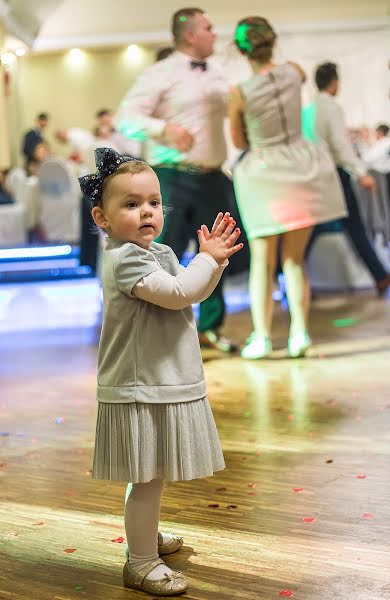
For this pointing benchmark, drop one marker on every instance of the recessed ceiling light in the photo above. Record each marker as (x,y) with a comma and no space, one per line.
(134,52)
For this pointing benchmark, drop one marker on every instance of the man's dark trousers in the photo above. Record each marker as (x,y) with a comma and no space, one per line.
(193,199)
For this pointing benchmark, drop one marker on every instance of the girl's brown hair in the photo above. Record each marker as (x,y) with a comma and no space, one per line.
(255,38)
(134,167)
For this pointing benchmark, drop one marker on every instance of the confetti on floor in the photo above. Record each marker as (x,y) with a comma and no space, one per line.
(347,322)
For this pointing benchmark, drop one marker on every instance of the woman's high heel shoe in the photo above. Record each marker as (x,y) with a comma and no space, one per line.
(257,347)
(299,344)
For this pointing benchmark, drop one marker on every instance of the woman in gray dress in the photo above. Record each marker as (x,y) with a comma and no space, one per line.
(284,184)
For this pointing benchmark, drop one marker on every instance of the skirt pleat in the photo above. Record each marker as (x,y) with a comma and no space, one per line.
(139,442)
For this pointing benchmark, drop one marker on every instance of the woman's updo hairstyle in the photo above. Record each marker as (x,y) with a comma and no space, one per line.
(255,38)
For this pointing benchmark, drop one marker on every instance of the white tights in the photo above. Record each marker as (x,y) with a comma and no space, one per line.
(142,515)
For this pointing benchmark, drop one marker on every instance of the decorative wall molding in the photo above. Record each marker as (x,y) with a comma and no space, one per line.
(4,8)
(13,27)
(49,44)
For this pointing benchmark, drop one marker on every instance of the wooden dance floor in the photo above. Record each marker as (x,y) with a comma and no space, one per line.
(302,510)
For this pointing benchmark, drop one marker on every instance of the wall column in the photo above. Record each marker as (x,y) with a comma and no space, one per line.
(5,155)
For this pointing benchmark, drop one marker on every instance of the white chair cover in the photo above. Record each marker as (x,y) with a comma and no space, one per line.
(60,197)
(334,265)
(15,181)
(375,207)
(12,225)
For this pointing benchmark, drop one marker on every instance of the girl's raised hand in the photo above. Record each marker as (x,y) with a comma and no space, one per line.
(221,242)
(220,224)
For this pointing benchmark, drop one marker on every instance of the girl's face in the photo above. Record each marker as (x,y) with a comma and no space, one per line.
(132,210)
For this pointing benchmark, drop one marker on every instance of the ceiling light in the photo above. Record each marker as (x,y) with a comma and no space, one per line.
(76,56)
(134,52)
(7,58)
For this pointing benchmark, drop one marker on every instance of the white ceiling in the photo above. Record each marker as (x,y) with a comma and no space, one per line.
(54,24)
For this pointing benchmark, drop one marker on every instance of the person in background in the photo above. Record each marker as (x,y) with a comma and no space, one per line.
(284,184)
(105,124)
(41,153)
(329,127)
(35,136)
(5,195)
(179,105)
(377,156)
(104,117)
(83,142)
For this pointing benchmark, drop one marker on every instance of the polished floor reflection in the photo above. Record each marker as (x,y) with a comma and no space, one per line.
(301,511)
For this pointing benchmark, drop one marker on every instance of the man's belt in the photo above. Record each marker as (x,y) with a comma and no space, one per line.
(187,168)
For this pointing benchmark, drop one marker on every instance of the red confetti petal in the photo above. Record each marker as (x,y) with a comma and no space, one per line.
(231,506)
(297,490)
(361,476)
(119,540)
(70,550)
(213,506)
(368,516)
(286,593)
(308,519)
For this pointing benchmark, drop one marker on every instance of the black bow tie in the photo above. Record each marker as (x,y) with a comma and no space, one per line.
(198,64)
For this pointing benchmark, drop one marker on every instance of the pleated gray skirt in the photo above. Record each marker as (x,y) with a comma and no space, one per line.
(139,442)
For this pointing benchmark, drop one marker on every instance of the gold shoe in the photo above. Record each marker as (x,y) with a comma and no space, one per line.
(172,584)
(174,545)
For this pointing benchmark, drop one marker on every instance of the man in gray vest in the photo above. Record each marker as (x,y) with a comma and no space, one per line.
(329,126)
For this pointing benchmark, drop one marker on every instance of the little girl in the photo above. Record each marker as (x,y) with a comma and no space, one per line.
(154,421)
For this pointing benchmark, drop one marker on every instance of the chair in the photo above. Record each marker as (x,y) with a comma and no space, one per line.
(375,207)
(59,197)
(15,180)
(333,265)
(12,225)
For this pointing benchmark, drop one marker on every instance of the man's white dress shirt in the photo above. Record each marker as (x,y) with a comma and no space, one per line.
(170,91)
(330,128)
(377,156)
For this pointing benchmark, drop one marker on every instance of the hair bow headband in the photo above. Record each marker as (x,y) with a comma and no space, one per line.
(241,35)
(241,38)
(107,161)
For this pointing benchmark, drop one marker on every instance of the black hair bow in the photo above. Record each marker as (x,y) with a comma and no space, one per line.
(107,161)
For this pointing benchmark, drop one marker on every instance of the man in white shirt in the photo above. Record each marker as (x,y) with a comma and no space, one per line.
(329,127)
(178,105)
(377,156)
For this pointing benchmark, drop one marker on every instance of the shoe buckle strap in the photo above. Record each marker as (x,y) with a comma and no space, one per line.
(147,569)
